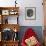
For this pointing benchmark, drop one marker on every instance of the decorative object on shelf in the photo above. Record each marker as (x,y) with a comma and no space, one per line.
(15,3)
(15,37)
(7,34)
(30,13)
(13,12)
(5,12)
(15,34)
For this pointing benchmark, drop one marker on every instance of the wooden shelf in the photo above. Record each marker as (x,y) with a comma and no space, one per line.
(11,26)
(4,13)
(9,9)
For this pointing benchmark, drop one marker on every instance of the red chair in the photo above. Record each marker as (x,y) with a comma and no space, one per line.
(29,33)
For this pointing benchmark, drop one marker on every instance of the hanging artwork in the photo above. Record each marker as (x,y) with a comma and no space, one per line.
(30,13)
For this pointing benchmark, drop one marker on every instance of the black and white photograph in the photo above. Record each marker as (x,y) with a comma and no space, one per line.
(30,13)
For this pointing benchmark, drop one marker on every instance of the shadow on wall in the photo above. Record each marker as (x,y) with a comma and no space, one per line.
(37,29)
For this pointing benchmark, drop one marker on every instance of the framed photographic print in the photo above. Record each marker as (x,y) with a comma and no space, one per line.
(30,13)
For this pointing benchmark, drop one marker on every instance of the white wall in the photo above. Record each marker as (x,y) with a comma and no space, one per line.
(39,13)
(27,3)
